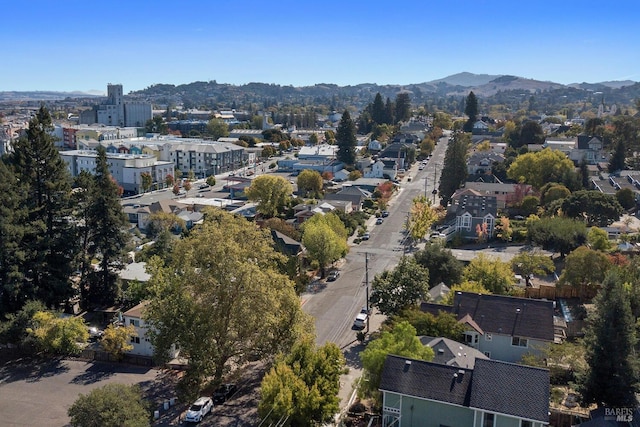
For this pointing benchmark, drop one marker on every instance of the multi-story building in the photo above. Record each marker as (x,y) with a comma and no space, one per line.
(141,343)
(117,112)
(126,169)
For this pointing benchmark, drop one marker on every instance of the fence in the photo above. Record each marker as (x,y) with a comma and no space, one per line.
(103,356)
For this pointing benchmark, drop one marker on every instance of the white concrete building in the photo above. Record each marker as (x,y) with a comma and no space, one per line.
(126,169)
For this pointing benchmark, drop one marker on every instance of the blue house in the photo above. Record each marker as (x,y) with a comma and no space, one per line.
(491,394)
(502,327)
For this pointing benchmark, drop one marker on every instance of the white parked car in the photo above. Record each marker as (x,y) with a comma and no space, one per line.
(361,321)
(199,409)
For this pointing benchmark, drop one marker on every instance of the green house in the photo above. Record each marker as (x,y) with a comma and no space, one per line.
(492,394)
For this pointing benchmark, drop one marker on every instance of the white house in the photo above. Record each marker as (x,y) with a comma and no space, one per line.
(141,343)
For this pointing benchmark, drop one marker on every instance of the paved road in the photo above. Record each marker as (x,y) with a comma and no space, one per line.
(335,305)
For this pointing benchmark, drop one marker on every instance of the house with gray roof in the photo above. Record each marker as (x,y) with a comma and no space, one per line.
(492,393)
(502,327)
(452,353)
(472,211)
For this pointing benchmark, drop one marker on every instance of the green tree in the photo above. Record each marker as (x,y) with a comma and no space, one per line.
(14,329)
(303,386)
(441,325)
(12,217)
(48,244)
(626,197)
(531,262)
(217,128)
(147,181)
(442,120)
(442,265)
(592,206)
(58,335)
(377,110)
(584,268)
(617,161)
(465,286)
(557,234)
(531,133)
(421,217)
(401,288)
(403,107)
(471,110)
(270,192)
(112,405)
(223,299)
(400,341)
(612,377)
(115,340)
(598,239)
(538,168)
(346,139)
(108,237)
(310,183)
(325,238)
(454,170)
(553,191)
(492,273)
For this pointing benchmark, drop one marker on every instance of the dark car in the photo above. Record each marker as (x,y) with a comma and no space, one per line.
(385,214)
(333,276)
(379,221)
(223,393)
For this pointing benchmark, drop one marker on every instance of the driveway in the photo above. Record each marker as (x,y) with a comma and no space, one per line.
(38,392)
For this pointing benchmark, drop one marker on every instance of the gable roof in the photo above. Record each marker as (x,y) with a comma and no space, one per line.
(476,206)
(508,388)
(426,380)
(500,387)
(522,317)
(452,353)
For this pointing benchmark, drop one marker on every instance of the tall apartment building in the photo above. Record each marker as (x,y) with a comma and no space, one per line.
(117,112)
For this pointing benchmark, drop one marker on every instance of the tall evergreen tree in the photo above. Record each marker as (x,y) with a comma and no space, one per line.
(48,235)
(346,139)
(390,111)
(454,170)
(377,110)
(618,158)
(108,236)
(12,216)
(471,110)
(612,378)
(403,107)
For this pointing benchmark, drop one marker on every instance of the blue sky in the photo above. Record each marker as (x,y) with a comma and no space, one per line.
(83,45)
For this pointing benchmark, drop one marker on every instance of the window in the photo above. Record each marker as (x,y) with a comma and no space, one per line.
(488,419)
(524,423)
(487,336)
(488,354)
(466,221)
(135,340)
(519,342)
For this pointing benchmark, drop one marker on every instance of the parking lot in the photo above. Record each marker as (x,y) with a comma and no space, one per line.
(38,392)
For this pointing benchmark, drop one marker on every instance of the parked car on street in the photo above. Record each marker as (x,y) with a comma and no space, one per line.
(223,393)
(360,321)
(333,276)
(379,221)
(199,409)
(365,236)
(385,214)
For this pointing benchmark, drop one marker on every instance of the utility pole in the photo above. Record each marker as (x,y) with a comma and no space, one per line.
(434,192)
(366,282)
(425,187)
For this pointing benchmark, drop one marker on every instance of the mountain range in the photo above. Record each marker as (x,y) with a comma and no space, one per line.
(483,85)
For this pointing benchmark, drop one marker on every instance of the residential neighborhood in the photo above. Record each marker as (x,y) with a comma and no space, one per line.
(349,267)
